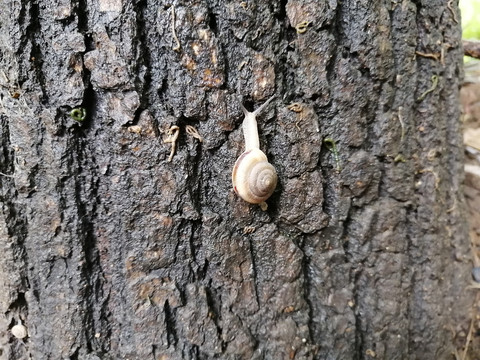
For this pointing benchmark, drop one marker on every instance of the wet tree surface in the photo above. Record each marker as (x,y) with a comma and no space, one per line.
(109,251)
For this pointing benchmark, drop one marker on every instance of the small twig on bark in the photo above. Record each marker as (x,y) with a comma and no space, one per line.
(471,48)
(302,27)
(434,86)
(248,230)
(193,132)
(172,138)
(449,5)
(429,55)
(174,34)
(468,340)
(296,107)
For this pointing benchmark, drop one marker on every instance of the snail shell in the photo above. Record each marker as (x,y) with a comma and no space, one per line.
(254,178)
(19,331)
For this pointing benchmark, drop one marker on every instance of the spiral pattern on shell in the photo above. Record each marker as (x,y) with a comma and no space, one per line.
(254,178)
(19,331)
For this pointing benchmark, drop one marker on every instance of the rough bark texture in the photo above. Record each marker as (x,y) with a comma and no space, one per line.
(111,252)
(471,48)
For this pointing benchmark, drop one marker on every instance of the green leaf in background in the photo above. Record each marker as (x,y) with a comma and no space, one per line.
(470,10)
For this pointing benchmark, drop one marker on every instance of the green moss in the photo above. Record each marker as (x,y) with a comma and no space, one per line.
(78,114)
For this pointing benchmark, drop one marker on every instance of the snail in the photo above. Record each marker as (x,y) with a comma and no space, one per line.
(254,179)
(19,330)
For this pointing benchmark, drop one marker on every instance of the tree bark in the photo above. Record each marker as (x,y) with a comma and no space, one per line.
(471,48)
(112,252)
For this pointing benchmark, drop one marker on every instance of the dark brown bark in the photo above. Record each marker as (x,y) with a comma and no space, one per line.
(471,48)
(112,252)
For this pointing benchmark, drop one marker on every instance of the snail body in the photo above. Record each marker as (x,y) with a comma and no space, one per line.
(254,179)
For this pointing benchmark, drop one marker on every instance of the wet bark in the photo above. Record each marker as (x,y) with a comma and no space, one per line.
(109,251)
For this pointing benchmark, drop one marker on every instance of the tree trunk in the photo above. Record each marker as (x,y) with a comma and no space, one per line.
(110,251)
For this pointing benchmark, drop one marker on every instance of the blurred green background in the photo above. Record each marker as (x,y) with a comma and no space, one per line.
(470,18)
